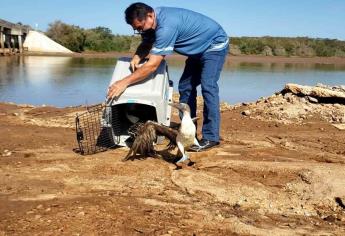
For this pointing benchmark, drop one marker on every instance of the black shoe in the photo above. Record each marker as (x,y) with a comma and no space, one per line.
(204,145)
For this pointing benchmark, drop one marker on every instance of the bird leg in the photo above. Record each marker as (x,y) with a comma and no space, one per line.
(184,158)
(184,155)
(128,155)
(196,142)
(154,154)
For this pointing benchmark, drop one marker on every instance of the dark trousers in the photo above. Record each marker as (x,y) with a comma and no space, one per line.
(204,70)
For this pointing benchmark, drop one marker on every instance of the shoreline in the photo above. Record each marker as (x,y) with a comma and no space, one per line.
(268,165)
(230,58)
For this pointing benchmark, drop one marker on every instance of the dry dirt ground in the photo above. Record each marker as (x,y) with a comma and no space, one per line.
(266,178)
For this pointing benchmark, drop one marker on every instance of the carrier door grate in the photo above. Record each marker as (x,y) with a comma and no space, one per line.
(93,130)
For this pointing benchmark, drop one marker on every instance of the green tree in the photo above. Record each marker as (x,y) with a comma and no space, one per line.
(101,39)
(70,36)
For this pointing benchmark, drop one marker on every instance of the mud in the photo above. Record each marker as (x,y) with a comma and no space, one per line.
(266,178)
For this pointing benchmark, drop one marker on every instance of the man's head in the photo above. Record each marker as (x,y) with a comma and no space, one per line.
(140,16)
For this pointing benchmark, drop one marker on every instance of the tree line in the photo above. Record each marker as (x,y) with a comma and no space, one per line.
(101,39)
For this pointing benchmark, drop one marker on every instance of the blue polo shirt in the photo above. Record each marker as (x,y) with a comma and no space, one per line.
(185,32)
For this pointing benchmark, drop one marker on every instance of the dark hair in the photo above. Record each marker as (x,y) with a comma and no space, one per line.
(137,11)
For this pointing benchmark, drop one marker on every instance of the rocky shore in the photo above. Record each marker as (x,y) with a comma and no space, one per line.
(278,171)
(296,103)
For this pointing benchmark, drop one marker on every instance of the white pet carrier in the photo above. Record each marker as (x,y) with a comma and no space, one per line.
(105,126)
(146,100)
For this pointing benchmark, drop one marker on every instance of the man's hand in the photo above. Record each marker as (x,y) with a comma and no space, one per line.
(117,88)
(135,62)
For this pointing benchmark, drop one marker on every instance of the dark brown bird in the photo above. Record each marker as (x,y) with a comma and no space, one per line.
(145,135)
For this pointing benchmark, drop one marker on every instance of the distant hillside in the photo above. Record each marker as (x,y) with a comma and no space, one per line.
(280,46)
(101,39)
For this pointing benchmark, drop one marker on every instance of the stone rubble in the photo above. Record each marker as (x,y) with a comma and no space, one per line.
(297,103)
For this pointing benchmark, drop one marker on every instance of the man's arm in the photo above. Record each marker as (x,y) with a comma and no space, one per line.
(117,88)
(142,51)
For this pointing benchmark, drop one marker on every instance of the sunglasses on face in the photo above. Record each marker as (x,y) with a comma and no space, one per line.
(140,29)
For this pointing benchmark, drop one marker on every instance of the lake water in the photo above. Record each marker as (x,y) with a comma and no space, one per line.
(66,81)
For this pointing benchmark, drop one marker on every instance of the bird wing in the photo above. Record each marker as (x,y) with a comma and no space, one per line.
(165,131)
(195,119)
(145,134)
(169,133)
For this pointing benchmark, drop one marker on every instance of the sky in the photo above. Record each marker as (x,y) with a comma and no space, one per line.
(282,18)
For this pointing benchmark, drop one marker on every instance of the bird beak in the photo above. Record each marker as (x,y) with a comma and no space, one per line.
(176,105)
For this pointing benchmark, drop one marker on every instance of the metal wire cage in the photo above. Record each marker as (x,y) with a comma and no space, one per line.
(94,133)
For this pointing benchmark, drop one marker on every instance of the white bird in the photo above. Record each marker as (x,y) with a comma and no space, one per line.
(145,135)
(187,131)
